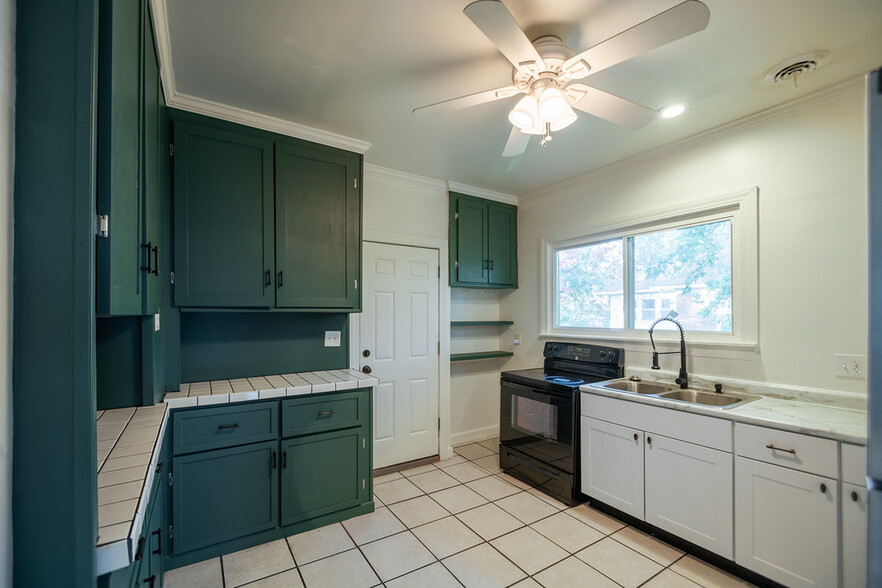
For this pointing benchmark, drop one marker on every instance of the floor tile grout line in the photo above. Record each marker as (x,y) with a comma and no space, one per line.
(294,559)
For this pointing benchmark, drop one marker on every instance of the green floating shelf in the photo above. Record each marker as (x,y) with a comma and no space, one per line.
(479,323)
(479,355)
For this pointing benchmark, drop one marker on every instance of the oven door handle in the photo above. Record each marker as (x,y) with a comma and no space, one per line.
(533,466)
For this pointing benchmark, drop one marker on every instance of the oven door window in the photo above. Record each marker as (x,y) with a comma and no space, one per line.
(534,417)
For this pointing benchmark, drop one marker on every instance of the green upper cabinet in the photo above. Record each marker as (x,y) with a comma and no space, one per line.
(483,243)
(264,221)
(129,112)
(318,238)
(223,211)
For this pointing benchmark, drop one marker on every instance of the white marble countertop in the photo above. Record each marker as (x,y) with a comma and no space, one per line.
(125,479)
(801,416)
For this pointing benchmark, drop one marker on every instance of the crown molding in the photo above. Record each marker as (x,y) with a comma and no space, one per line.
(482,193)
(714,134)
(394,175)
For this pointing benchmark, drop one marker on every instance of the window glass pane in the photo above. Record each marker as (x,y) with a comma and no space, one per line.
(689,271)
(589,286)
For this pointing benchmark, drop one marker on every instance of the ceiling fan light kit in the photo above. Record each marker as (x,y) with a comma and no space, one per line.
(545,71)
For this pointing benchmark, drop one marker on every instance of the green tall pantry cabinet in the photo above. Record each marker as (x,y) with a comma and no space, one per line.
(264,221)
(130,115)
(483,243)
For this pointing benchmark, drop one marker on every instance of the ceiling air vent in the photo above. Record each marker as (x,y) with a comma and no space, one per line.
(792,69)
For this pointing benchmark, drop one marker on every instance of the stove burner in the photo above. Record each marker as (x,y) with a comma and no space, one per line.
(564,381)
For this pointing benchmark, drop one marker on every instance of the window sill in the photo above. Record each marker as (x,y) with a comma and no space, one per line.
(638,342)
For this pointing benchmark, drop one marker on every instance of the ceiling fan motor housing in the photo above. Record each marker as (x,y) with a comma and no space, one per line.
(554,53)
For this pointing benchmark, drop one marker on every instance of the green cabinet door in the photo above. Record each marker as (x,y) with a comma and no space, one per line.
(318,227)
(223,214)
(322,474)
(150,168)
(470,264)
(224,494)
(119,256)
(502,244)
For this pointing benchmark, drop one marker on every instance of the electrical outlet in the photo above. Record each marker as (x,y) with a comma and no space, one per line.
(849,366)
(332,338)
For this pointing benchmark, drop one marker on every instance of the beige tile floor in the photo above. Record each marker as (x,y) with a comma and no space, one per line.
(461,522)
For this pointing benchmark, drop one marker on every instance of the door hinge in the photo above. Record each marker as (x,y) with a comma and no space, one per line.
(102,225)
(456,216)
(355,183)
(363,443)
(439,347)
(171,479)
(356,284)
(456,263)
(171,278)
(439,271)
(171,531)
(171,149)
(363,484)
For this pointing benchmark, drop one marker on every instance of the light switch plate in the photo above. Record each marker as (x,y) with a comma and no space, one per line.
(332,338)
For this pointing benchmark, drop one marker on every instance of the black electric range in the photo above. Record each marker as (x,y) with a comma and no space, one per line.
(539,415)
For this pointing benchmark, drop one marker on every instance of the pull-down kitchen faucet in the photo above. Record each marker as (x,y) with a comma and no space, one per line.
(682,378)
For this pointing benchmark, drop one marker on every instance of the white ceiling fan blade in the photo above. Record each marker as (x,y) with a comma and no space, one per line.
(680,21)
(466,101)
(609,106)
(497,23)
(516,144)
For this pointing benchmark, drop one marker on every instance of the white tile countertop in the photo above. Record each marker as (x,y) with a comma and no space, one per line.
(803,411)
(128,451)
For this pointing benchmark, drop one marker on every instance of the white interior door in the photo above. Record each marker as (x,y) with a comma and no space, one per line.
(399,341)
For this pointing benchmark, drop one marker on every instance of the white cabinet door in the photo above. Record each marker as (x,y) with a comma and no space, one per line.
(689,492)
(786,524)
(612,465)
(854,536)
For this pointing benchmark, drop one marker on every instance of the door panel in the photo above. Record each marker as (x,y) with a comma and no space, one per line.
(317,202)
(223,218)
(502,244)
(612,465)
(471,241)
(689,492)
(399,328)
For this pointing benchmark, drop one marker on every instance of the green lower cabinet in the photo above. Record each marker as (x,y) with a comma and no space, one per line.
(224,494)
(321,474)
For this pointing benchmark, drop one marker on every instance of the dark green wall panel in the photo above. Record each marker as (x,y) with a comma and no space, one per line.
(118,347)
(218,345)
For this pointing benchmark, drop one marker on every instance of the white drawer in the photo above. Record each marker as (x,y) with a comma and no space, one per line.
(793,450)
(854,464)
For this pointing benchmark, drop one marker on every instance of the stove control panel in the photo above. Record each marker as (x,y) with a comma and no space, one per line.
(584,352)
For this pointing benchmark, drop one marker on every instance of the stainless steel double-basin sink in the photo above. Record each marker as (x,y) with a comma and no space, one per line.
(673,392)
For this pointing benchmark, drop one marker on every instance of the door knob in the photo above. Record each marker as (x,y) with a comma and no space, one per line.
(366,369)
(366,353)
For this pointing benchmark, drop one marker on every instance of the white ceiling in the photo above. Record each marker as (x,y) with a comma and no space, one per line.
(358,67)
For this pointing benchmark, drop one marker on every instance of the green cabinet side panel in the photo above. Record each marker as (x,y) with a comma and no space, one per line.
(151,154)
(318,227)
(320,474)
(224,494)
(119,89)
(502,244)
(223,204)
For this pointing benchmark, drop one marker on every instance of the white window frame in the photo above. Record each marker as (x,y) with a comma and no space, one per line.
(740,208)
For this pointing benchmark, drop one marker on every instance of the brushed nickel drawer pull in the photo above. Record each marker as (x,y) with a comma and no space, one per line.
(773,448)
(326,413)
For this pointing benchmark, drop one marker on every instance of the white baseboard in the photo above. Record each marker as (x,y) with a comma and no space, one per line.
(474,435)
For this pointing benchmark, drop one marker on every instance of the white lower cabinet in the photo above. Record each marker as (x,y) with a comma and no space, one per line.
(689,492)
(786,523)
(612,470)
(854,536)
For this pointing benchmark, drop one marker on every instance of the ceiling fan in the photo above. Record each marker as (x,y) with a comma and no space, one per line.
(546,70)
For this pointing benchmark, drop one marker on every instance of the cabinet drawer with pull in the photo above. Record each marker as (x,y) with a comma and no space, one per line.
(792,450)
(201,429)
(319,413)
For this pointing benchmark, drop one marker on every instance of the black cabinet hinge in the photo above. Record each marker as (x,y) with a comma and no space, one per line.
(171,479)
(171,149)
